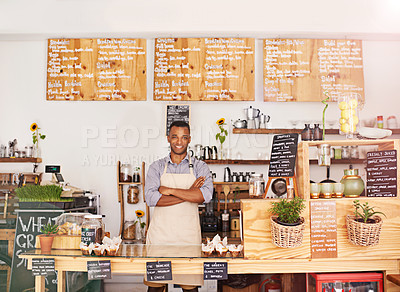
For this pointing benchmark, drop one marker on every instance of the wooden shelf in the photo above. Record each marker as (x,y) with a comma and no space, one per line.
(279,131)
(230,183)
(130,183)
(286,131)
(20,160)
(236,161)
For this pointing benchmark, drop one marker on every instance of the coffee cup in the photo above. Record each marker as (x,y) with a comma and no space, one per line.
(326,190)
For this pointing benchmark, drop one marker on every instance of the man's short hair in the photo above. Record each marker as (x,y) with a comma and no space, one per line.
(180,124)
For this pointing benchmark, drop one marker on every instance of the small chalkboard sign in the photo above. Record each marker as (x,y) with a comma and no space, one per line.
(158,271)
(382,173)
(99,270)
(43,266)
(176,112)
(323,229)
(283,155)
(215,271)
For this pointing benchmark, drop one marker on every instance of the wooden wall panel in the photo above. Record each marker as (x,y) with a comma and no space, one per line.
(302,69)
(204,69)
(96,69)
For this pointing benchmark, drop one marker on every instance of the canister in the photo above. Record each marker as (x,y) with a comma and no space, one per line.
(256,186)
(92,229)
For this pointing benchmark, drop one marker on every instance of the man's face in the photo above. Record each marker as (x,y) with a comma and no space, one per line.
(179,139)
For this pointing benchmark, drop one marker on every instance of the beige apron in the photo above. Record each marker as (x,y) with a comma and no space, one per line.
(178,224)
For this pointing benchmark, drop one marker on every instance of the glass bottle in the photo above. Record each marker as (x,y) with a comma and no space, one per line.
(136,175)
(306,134)
(125,173)
(379,122)
(92,229)
(317,132)
(354,152)
(345,152)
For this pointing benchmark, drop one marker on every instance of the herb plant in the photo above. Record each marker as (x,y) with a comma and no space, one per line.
(364,211)
(288,211)
(49,229)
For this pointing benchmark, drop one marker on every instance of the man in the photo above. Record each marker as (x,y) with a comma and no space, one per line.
(175,185)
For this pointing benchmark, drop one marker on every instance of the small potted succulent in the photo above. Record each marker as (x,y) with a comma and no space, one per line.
(287,226)
(364,227)
(47,237)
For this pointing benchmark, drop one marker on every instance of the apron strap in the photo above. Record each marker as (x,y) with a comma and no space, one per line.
(190,166)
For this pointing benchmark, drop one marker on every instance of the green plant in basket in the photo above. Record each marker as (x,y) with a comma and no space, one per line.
(364,212)
(49,229)
(288,211)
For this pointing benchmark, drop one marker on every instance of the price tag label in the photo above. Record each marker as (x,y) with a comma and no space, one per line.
(43,266)
(215,271)
(158,271)
(99,270)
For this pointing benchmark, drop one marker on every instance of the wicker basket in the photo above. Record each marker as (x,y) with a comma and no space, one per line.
(287,236)
(364,234)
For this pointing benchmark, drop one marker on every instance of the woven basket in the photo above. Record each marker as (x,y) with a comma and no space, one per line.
(364,234)
(287,236)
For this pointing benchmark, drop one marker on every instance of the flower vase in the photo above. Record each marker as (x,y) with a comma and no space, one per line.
(222,152)
(141,234)
(37,151)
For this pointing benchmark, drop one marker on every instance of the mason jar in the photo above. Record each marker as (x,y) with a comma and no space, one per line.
(125,173)
(256,186)
(92,229)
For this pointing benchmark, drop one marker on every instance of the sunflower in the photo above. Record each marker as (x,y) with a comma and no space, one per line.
(34,126)
(139,213)
(221,121)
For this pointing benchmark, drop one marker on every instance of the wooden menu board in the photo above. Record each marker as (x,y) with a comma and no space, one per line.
(96,69)
(382,173)
(283,155)
(302,69)
(323,229)
(204,69)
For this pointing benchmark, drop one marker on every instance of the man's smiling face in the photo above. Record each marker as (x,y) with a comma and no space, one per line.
(179,139)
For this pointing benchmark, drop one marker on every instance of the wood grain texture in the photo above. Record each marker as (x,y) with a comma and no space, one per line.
(257,233)
(302,69)
(63,242)
(204,69)
(96,69)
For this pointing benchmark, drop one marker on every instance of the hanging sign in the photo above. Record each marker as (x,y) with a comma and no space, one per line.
(99,270)
(158,271)
(215,271)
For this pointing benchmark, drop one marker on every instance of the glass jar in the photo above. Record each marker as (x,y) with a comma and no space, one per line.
(354,152)
(136,175)
(349,105)
(225,221)
(125,173)
(353,183)
(129,230)
(307,133)
(256,186)
(345,152)
(92,229)
(133,195)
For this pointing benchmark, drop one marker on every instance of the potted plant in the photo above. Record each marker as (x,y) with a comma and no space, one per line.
(287,226)
(42,197)
(364,227)
(46,239)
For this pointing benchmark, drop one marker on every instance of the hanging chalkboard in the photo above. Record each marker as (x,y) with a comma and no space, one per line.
(159,271)
(382,173)
(283,155)
(176,112)
(215,271)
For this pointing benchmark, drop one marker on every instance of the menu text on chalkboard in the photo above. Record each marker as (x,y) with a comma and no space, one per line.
(158,271)
(176,112)
(323,229)
(43,266)
(303,69)
(215,271)
(283,155)
(99,270)
(382,173)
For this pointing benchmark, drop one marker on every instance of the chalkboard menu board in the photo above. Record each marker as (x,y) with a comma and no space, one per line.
(283,155)
(43,266)
(99,270)
(158,271)
(215,271)
(176,112)
(382,173)
(96,69)
(204,69)
(302,69)
(323,229)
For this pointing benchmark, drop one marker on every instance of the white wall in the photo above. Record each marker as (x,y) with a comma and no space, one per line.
(135,130)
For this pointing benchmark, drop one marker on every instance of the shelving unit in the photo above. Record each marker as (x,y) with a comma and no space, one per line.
(121,199)
(266,162)
(286,131)
(20,160)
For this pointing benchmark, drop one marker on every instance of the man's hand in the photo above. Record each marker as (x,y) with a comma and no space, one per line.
(165,191)
(198,182)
